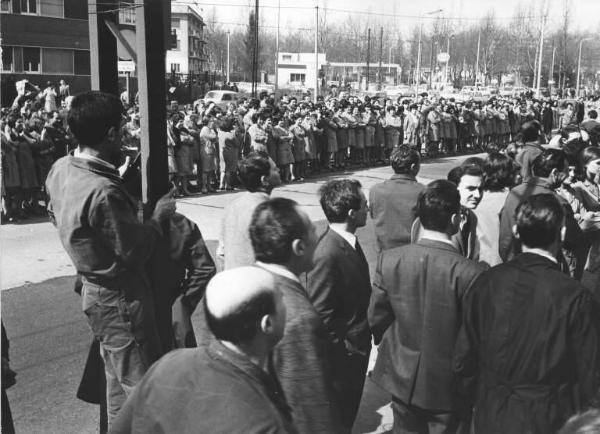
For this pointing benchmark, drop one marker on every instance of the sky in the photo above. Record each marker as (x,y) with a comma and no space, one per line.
(300,13)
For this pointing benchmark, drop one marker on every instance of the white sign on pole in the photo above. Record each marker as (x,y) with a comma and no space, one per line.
(443,57)
(126,66)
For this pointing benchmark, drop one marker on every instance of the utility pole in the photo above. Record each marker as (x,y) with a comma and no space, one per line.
(541,52)
(380,55)
(255,53)
(579,66)
(368,56)
(228,33)
(433,42)
(151,53)
(552,67)
(418,76)
(316,53)
(477,58)
(277,47)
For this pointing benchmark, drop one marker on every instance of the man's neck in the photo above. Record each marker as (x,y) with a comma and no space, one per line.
(256,356)
(435,235)
(344,227)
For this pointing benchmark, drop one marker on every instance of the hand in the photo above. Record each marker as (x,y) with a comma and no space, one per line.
(165,206)
(590,220)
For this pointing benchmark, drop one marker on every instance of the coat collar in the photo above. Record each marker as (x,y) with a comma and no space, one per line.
(425,242)
(531,259)
(95,167)
(403,177)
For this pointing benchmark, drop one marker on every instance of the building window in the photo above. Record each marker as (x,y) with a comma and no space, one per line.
(297,77)
(5,6)
(126,13)
(7,59)
(286,58)
(29,7)
(52,8)
(175,23)
(178,45)
(76,9)
(81,61)
(174,67)
(55,61)
(31,59)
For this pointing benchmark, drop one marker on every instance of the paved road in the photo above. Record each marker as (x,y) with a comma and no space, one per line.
(48,334)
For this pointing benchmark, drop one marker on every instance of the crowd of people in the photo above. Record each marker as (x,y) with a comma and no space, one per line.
(484,301)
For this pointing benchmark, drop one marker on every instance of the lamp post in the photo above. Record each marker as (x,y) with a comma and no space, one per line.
(448,61)
(579,64)
(419,47)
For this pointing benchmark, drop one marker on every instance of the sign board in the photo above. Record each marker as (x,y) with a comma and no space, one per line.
(443,57)
(550,81)
(126,66)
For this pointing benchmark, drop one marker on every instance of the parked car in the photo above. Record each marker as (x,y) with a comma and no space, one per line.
(221,97)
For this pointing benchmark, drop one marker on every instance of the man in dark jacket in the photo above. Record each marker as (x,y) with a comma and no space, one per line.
(339,286)
(415,307)
(284,241)
(530,134)
(529,335)
(549,171)
(223,387)
(592,127)
(392,202)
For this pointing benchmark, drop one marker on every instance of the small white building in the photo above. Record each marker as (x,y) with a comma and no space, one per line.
(298,69)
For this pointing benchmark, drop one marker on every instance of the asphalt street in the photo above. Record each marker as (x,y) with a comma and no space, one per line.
(48,334)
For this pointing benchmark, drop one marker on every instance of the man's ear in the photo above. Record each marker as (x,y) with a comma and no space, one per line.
(455,223)
(264,181)
(298,247)
(563,233)
(266,325)
(516,232)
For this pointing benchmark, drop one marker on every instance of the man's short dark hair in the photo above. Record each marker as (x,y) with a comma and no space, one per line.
(592,114)
(252,168)
(275,224)
(338,197)
(243,323)
(458,172)
(547,161)
(92,114)
(436,204)
(530,131)
(539,220)
(402,158)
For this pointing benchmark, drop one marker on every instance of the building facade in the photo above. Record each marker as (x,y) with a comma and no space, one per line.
(188,56)
(44,40)
(298,69)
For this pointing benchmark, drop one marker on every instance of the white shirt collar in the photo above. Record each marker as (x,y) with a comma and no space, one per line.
(350,238)
(437,239)
(541,252)
(279,270)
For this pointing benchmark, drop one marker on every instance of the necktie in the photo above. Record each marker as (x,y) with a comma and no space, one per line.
(361,255)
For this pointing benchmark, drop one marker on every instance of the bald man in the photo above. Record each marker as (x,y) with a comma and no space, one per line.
(223,387)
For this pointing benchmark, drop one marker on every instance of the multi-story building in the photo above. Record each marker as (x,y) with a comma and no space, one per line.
(44,40)
(298,69)
(187,27)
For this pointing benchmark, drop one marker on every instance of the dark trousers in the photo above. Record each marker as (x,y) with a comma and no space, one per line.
(349,383)
(409,419)
(7,419)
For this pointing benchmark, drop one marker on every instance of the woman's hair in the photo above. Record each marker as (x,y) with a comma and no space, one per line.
(589,154)
(499,172)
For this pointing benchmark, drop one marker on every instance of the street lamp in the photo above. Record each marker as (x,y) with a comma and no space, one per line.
(579,64)
(448,60)
(419,48)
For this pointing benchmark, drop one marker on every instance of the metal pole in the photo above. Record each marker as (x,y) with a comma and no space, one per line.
(541,53)
(477,58)
(228,56)
(447,62)
(277,46)
(368,56)
(579,68)
(390,59)
(380,55)
(417,78)
(552,67)
(255,53)
(431,63)
(316,53)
